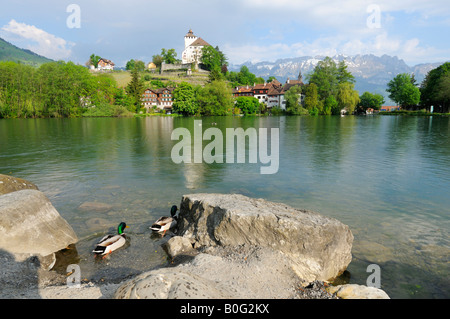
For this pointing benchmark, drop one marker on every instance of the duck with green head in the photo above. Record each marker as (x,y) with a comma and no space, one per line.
(164,223)
(109,243)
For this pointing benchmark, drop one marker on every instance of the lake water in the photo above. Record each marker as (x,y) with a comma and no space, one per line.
(387,177)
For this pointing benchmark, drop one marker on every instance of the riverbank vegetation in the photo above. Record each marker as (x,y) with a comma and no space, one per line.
(63,89)
(58,89)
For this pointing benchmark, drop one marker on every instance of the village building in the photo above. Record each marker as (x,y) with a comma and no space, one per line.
(193,46)
(160,98)
(272,94)
(386,108)
(105,65)
(151,66)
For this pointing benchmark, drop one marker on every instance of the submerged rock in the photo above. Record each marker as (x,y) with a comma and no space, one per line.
(95,206)
(318,247)
(30,225)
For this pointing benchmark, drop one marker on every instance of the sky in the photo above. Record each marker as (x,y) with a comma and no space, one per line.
(245,30)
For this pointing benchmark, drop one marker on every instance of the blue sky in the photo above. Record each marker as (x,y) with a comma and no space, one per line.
(245,30)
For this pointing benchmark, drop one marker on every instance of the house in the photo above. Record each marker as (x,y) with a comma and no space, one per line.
(390,108)
(151,66)
(272,94)
(105,65)
(193,46)
(149,98)
(165,99)
(243,91)
(161,98)
(260,92)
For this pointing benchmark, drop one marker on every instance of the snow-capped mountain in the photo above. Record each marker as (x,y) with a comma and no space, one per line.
(371,73)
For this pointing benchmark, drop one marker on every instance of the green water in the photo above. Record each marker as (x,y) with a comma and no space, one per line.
(388,178)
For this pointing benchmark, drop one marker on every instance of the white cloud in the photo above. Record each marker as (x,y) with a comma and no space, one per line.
(325,27)
(379,43)
(44,43)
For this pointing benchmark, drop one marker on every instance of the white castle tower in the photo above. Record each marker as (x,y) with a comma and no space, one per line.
(189,38)
(193,46)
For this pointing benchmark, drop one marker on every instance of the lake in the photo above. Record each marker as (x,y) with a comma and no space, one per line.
(387,177)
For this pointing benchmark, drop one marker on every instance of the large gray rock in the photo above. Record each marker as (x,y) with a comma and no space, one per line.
(30,225)
(179,245)
(255,273)
(318,247)
(169,284)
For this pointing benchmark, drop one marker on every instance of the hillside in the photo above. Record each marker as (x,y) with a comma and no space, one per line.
(371,73)
(9,52)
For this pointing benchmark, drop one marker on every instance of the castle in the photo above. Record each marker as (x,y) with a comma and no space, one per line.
(193,46)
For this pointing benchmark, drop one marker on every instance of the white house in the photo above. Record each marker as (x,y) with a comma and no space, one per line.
(103,65)
(193,46)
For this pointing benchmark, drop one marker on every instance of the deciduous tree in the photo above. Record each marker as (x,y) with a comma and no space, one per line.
(184,99)
(402,91)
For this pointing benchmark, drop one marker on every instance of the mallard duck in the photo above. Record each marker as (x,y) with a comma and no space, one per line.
(164,223)
(109,243)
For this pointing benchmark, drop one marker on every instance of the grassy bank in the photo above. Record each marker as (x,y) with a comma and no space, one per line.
(413,113)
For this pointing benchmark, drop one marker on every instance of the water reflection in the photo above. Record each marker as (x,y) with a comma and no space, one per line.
(386,177)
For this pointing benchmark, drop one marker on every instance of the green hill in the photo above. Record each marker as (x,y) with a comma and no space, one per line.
(9,52)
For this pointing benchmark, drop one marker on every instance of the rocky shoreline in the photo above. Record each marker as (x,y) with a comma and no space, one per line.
(226,246)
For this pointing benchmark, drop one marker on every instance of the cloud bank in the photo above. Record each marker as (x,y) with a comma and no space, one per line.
(44,43)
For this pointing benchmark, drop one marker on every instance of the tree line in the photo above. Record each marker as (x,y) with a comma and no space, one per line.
(59,89)
(63,89)
(433,92)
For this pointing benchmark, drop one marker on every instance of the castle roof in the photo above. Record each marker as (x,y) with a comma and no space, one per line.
(199,43)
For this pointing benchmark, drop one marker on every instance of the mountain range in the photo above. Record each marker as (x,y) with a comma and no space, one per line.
(372,73)
(9,52)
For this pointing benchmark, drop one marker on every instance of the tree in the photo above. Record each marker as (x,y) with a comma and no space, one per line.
(300,76)
(433,89)
(343,76)
(123,99)
(325,76)
(215,75)
(369,100)
(93,60)
(55,89)
(402,91)
(184,99)
(158,60)
(169,56)
(223,58)
(247,104)
(213,59)
(215,98)
(347,97)
(443,94)
(330,106)
(138,64)
(293,100)
(135,89)
(312,99)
